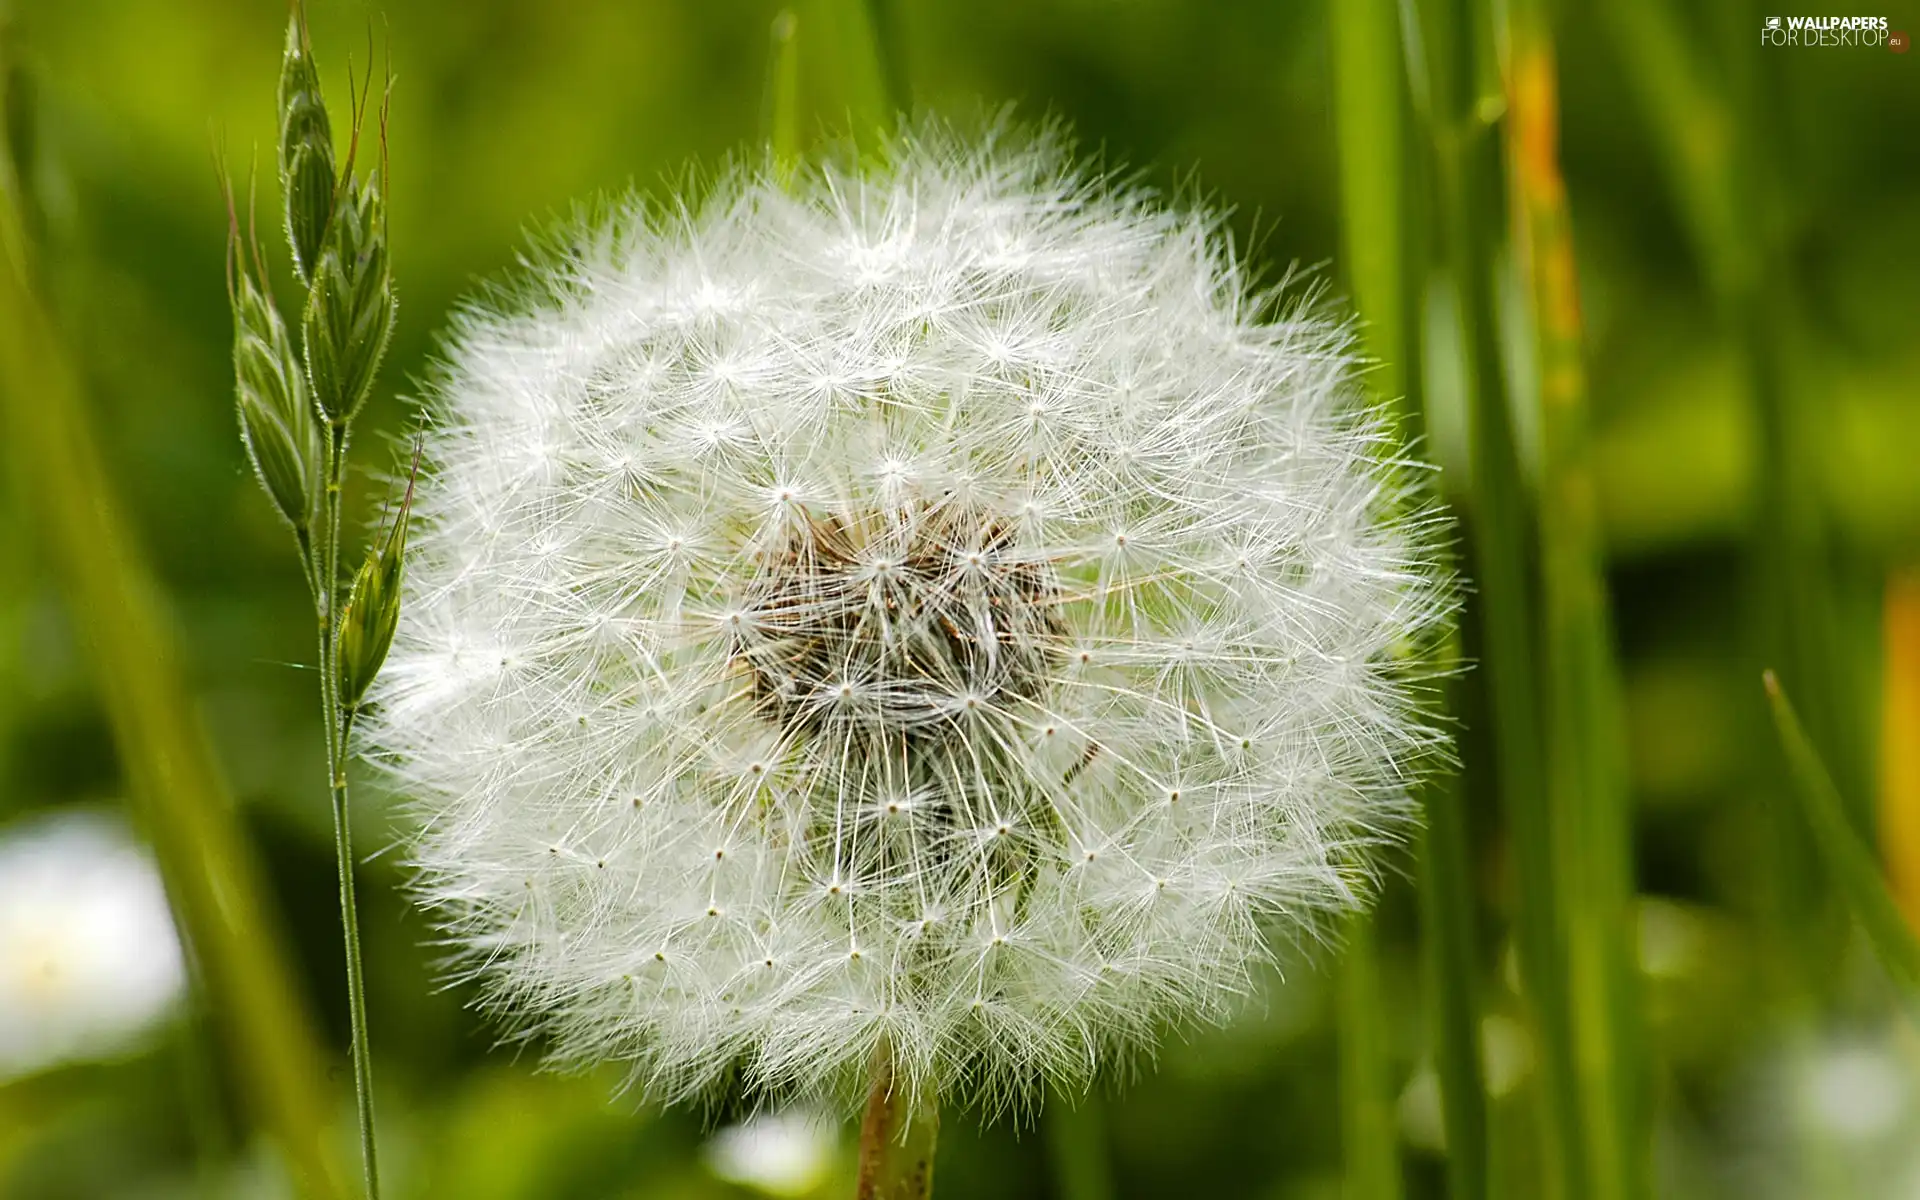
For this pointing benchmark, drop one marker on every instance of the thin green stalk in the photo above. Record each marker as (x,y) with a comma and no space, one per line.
(780,122)
(1593,833)
(1852,867)
(1458,37)
(848,72)
(1385,243)
(339,725)
(213,881)
(897,1137)
(1369,1141)
(1077,1146)
(1450,959)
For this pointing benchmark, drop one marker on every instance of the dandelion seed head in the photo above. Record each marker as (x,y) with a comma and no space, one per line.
(939,605)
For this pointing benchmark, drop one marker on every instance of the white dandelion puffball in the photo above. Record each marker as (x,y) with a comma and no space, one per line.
(932,610)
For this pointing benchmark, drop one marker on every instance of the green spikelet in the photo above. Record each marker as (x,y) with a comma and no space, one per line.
(306,149)
(276,419)
(373,608)
(350,304)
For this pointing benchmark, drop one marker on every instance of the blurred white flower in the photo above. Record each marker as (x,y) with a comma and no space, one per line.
(783,1153)
(1828,1113)
(1856,1093)
(939,611)
(88,953)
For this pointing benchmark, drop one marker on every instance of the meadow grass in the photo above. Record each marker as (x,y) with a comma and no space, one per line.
(1447,140)
(180,801)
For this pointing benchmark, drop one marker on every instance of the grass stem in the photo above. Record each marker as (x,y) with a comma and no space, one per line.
(339,727)
(1385,242)
(1458,38)
(1369,1137)
(1077,1146)
(1592,827)
(213,882)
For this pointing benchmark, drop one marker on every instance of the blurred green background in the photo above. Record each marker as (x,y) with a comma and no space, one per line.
(505,113)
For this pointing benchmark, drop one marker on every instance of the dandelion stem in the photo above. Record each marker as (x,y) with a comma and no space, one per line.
(339,725)
(897,1136)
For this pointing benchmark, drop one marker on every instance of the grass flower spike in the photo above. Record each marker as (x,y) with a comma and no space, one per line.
(296,418)
(930,621)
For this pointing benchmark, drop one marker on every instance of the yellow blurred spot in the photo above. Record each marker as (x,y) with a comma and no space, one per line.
(1900,742)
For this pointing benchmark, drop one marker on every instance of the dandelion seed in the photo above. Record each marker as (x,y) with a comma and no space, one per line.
(1051,598)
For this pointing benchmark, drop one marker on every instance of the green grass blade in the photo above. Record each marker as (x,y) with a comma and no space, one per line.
(1371,109)
(847,74)
(1369,1140)
(1077,1146)
(780,118)
(1458,39)
(1385,238)
(1848,862)
(212,879)
(1450,958)
(1593,825)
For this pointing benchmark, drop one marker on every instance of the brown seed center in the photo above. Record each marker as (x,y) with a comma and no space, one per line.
(897,620)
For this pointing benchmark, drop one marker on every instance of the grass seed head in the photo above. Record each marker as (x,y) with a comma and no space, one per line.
(276,418)
(350,305)
(305,150)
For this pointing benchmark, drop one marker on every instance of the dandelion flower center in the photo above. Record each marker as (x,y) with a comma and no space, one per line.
(901,621)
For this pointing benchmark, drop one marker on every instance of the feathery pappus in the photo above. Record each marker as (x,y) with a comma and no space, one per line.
(935,608)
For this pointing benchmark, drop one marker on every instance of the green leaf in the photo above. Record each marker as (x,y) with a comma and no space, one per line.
(1848,861)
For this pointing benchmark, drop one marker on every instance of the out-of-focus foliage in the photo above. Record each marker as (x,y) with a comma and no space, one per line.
(506,112)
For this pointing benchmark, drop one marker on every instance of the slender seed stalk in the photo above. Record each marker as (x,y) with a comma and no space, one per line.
(339,725)
(1592,827)
(1450,959)
(213,880)
(1385,241)
(336,235)
(1458,35)
(1899,750)
(897,1136)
